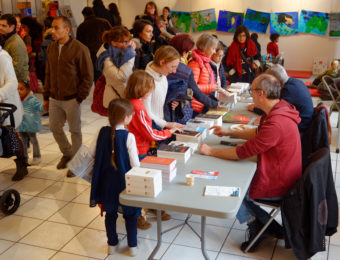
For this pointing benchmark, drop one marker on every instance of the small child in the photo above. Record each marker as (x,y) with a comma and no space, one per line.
(31,122)
(333,72)
(139,87)
(116,153)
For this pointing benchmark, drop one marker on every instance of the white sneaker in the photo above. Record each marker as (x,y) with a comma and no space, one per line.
(132,251)
(111,250)
(36,161)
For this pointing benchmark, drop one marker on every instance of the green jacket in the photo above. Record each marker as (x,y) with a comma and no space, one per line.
(16,48)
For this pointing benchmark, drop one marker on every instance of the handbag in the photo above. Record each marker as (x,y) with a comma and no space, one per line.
(257,70)
(98,95)
(82,164)
(9,137)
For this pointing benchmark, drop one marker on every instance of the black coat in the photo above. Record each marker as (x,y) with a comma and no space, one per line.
(310,208)
(316,135)
(102,12)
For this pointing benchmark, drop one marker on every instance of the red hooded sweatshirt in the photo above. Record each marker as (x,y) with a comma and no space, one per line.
(278,148)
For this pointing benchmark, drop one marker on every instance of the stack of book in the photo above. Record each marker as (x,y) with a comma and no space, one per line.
(227,97)
(238,87)
(216,119)
(201,129)
(203,123)
(143,182)
(179,152)
(166,165)
(191,135)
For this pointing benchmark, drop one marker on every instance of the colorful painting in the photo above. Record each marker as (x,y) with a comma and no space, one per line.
(27,11)
(313,22)
(284,23)
(181,20)
(334,25)
(203,20)
(229,21)
(256,21)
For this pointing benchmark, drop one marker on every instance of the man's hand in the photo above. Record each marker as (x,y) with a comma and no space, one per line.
(251,107)
(205,149)
(46,105)
(218,130)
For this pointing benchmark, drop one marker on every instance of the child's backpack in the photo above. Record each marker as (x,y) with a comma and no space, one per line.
(178,91)
(98,94)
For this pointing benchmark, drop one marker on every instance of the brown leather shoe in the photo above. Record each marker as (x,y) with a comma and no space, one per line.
(165,216)
(70,174)
(142,223)
(63,162)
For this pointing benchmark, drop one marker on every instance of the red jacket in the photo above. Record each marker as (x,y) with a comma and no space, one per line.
(141,127)
(273,49)
(203,76)
(278,148)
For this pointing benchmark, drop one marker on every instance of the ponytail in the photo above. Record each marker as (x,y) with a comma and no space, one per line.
(117,111)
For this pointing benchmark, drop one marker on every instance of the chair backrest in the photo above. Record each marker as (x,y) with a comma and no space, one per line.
(332,88)
(317,135)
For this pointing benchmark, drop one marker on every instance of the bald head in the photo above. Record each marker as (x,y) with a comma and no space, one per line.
(269,84)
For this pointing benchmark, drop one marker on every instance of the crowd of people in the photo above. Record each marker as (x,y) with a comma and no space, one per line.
(138,69)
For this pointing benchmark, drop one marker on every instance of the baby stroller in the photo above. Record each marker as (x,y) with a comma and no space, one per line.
(10,199)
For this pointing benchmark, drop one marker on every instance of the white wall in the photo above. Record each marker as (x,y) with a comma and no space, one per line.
(299,49)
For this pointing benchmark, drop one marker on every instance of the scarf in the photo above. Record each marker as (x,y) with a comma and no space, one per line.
(118,56)
(234,56)
(204,62)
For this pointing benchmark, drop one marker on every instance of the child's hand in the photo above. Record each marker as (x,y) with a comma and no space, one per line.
(171,125)
(173,130)
(174,104)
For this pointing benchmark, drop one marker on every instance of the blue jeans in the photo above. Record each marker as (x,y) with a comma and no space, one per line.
(26,137)
(249,209)
(130,216)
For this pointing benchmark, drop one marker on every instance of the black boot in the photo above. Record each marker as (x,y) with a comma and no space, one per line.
(21,169)
(276,229)
(253,229)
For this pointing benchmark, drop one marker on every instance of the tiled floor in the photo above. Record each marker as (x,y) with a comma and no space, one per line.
(55,222)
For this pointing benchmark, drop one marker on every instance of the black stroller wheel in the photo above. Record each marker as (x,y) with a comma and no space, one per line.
(9,202)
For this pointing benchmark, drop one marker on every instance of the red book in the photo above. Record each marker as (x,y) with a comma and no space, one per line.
(160,163)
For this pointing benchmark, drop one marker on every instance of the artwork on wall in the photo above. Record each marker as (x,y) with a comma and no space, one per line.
(229,21)
(181,20)
(203,20)
(313,22)
(256,21)
(334,25)
(284,23)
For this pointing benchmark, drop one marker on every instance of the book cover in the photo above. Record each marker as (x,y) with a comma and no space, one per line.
(236,118)
(193,146)
(173,148)
(216,112)
(188,132)
(207,116)
(158,160)
(222,191)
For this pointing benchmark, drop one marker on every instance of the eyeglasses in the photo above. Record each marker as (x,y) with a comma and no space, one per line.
(252,90)
(125,42)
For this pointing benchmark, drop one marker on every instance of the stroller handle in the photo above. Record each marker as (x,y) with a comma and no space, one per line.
(9,111)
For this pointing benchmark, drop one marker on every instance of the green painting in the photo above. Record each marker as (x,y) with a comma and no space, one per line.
(313,22)
(203,20)
(181,20)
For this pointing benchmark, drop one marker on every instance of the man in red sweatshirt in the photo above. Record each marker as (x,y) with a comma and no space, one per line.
(277,145)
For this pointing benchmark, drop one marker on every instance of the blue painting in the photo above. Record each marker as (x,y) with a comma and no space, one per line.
(313,22)
(256,21)
(284,23)
(229,21)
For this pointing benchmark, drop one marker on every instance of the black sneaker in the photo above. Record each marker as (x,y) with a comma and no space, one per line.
(253,229)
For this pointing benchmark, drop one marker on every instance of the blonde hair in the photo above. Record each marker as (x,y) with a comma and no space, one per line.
(139,84)
(167,54)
